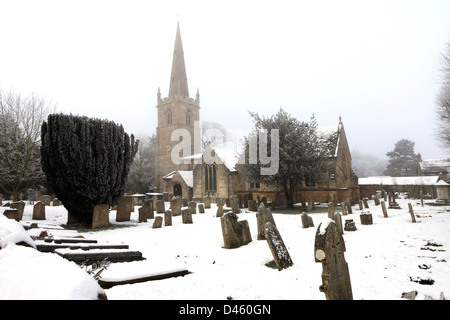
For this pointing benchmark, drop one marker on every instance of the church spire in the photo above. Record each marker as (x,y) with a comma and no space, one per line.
(178,78)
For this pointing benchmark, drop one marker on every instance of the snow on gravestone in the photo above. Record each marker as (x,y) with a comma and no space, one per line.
(279,251)
(329,248)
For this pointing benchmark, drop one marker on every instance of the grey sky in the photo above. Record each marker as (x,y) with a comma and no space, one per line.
(375,63)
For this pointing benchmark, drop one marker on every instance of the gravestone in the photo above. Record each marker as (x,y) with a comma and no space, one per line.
(263,216)
(159,206)
(175,206)
(240,203)
(186,215)
(366,202)
(329,248)
(46,199)
(20,206)
(56,202)
(252,205)
(227,203)
(344,209)
(366,218)
(143,214)
(38,211)
(311,205)
(377,199)
(100,216)
(184,202)
(124,209)
(338,220)
(12,214)
(245,200)
(201,208)
(307,221)
(348,206)
(350,225)
(219,212)
(360,203)
(330,210)
(411,212)
(158,222)
(235,234)
(207,201)
(234,202)
(165,196)
(149,204)
(383,207)
(277,247)
(168,218)
(193,206)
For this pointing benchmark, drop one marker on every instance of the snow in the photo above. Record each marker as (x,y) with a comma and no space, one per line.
(406,181)
(382,258)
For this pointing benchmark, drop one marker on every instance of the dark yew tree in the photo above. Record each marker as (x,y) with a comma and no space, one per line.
(86,161)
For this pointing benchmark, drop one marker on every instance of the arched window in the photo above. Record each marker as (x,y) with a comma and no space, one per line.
(188,117)
(210,178)
(169,117)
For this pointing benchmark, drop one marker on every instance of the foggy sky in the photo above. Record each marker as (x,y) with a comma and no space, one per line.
(374,63)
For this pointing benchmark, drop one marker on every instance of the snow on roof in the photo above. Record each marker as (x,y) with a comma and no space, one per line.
(435,165)
(409,181)
(169,175)
(326,133)
(188,177)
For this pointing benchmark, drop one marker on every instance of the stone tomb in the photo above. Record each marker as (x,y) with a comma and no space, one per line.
(329,248)
(277,247)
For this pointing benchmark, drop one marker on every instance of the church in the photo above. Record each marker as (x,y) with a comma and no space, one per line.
(195,177)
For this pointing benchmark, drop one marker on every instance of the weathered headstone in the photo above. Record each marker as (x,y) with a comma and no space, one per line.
(344,209)
(184,202)
(207,201)
(245,200)
(46,199)
(263,216)
(239,197)
(338,220)
(149,204)
(234,202)
(348,206)
(227,203)
(376,199)
(159,206)
(366,202)
(411,212)
(175,205)
(12,214)
(277,247)
(186,215)
(235,234)
(201,208)
(157,223)
(330,210)
(124,209)
(56,202)
(307,221)
(360,203)
(383,207)
(252,205)
(168,218)
(311,205)
(20,206)
(193,206)
(143,214)
(219,212)
(165,196)
(100,216)
(329,248)
(38,211)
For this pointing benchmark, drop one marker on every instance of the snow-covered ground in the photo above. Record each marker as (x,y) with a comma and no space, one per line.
(385,259)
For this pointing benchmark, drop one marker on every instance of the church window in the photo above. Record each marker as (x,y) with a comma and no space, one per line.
(169,117)
(188,117)
(255,185)
(210,178)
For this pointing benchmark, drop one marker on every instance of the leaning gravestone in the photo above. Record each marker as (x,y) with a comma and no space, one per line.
(306,221)
(277,247)
(38,211)
(12,214)
(100,217)
(411,212)
(235,234)
(383,207)
(158,222)
(263,216)
(329,248)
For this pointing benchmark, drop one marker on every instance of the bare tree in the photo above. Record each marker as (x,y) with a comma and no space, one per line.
(20,128)
(442,131)
(142,170)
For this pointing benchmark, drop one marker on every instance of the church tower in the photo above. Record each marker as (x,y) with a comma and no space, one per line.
(177,111)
